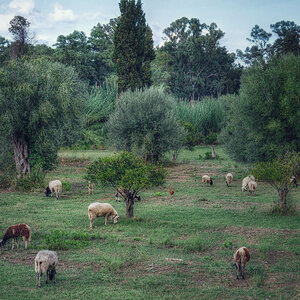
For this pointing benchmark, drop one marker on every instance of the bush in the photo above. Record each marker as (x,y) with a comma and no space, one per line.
(66,186)
(144,122)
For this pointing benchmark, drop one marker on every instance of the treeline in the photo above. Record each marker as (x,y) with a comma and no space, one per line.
(69,94)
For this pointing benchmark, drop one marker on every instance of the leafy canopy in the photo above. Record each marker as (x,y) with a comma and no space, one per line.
(127,171)
(144,122)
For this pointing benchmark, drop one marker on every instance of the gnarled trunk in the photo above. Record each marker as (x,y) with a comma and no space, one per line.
(129,207)
(282,195)
(21,156)
(213,152)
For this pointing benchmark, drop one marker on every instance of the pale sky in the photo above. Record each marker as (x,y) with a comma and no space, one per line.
(51,18)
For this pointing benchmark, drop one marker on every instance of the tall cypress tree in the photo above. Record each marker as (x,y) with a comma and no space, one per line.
(133,47)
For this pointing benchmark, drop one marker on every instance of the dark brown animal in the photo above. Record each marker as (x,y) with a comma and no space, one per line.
(19,230)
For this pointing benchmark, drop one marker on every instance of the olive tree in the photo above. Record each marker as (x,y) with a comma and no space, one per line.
(127,173)
(41,106)
(278,173)
(144,122)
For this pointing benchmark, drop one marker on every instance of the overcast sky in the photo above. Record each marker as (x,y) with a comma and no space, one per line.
(50,18)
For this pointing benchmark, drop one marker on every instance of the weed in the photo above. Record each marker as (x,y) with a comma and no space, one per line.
(66,186)
(228,244)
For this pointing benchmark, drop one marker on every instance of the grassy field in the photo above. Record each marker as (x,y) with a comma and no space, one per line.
(178,247)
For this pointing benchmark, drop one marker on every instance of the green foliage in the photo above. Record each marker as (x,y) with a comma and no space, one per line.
(144,122)
(264,121)
(190,139)
(98,107)
(127,171)
(41,107)
(66,186)
(133,47)
(29,182)
(228,244)
(278,174)
(199,65)
(287,42)
(205,116)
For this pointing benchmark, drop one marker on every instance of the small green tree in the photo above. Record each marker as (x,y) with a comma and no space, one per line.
(144,122)
(278,174)
(127,173)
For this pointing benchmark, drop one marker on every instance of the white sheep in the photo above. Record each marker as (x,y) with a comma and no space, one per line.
(252,185)
(245,182)
(241,257)
(206,179)
(98,209)
(54,186)
(229,178)
(19,230)
(45,262)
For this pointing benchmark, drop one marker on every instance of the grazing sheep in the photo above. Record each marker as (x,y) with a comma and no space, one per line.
(98,209)
(15,231)
(54,186)
(206,179)
(45,262)
(293,181)
(91,187)
(245,182)
(119,192)
(229,178)
(241,257)
(252,185)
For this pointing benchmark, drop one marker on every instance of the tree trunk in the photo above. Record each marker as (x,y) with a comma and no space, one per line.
(283,202)
(129,207)
(213,152)
(21,156)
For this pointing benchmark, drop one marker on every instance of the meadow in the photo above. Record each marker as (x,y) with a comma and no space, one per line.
(176,247)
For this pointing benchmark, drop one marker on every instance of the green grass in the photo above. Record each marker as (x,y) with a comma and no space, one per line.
(176,247)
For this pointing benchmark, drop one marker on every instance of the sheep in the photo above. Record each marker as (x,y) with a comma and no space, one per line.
(45,262)
(245,182)
(54,186)
(241,257)
(252,185)
(91,188)
(15,231)
(206,179)
(98,209)
(229,178)
(120,191)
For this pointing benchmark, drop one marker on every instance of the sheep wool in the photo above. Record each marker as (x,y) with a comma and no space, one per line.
(98,209)
(55,186)
(229,178)
(45,262)
(245,182)
(252,185)
(241,257)
(206,179)
(19,230)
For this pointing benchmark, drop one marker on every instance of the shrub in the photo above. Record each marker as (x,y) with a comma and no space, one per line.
(144,122)
(66,186)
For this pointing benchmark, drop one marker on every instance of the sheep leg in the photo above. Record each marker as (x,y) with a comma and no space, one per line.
(47,276)
(37,279)
(237,271)
(12,244)
(106,220)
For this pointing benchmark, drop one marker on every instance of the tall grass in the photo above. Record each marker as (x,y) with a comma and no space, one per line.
(100,104)
(206,116)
